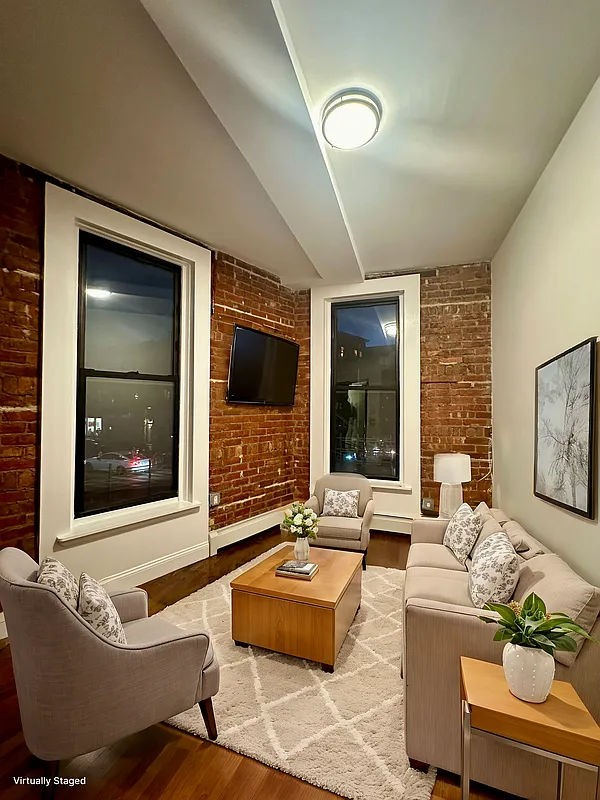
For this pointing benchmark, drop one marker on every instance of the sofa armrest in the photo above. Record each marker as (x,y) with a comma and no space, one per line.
(131,604)
(436,636)
(368,517)
(313,503)
(428,530)
(365,528)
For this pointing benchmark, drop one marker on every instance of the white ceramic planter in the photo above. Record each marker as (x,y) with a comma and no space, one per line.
(529,672)
(301,548)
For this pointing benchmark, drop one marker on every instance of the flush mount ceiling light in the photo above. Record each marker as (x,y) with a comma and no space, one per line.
(390,329)
(351,118)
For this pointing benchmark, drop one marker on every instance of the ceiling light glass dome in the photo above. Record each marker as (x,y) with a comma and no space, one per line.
(351,118)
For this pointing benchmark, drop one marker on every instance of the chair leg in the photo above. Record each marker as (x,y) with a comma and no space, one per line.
(51,770)
(364,561)
(208,715)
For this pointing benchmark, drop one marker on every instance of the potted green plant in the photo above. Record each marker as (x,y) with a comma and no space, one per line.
(301,522)
(532,636)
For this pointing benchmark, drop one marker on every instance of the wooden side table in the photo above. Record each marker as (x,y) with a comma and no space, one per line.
(561,728)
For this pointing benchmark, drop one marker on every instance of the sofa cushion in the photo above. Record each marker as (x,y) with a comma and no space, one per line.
(427,554)
(444,585)
(489,528)
(499,515)
(494,572)
(561,589)
(524,543)
(340,528)
(482,510)
(462,532)
(341,504)
(96,607)
(54,574)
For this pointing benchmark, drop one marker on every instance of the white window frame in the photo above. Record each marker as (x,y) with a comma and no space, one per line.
(407,289)
(393,296)
(68,213)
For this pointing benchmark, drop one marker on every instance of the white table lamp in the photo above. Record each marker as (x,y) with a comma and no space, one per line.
(451,470)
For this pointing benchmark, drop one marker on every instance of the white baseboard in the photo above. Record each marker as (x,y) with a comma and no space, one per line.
(155,569)
(3,632)
(248,527)
(383,522)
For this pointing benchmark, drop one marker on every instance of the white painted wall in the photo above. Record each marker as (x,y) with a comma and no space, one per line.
(394,501)
(128,546)
(546,298)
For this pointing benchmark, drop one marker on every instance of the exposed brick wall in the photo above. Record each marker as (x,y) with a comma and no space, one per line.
(21,215)
(259,455)
(456,373)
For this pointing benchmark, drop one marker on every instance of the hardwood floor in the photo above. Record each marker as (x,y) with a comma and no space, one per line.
(162,762)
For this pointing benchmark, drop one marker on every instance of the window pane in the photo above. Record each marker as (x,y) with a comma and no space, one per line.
(365,414)
(129,453)
(129,310)
(365,433)
(365,344)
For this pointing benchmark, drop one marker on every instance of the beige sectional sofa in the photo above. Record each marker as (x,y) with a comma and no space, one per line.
(441,624)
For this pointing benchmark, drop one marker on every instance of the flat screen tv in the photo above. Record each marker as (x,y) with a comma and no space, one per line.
(262,369)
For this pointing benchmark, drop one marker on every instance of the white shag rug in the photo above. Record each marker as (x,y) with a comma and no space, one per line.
(342,731)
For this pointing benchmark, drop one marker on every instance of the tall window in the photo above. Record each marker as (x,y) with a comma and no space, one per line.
(127,429)
(365,405)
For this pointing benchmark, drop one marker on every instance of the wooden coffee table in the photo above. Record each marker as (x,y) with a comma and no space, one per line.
(308,619)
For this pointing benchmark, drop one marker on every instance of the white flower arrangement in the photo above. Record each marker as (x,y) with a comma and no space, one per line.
(301,521)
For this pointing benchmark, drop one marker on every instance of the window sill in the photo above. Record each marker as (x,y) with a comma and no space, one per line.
(123,518)
(391,486)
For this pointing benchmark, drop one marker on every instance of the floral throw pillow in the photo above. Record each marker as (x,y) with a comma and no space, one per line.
(340,504)
(54,574)
(462,532)
(96,607)
(494,572)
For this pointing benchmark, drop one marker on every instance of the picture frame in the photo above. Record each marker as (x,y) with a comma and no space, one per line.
(565,416)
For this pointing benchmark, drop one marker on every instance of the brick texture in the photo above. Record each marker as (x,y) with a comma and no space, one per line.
(456,379)
(259,455)
(21,215)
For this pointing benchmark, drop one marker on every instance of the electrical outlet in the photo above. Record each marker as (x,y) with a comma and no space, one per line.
(211,523)
(214,498)
(427,504)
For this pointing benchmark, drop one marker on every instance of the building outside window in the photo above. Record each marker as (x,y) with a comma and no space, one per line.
(365,397)
(128,384)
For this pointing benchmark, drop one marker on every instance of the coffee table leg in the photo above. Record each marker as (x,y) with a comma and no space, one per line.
(466,751)
(241,644)
(327,667)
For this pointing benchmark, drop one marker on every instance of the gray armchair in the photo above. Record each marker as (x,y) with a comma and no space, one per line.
(344,533)
(77,690)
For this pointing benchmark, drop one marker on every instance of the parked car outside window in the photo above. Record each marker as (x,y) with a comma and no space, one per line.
(117,463)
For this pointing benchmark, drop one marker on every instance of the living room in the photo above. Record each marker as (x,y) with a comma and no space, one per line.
(180,212)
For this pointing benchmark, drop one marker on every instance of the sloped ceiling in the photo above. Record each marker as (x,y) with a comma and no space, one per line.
(476,97)
(92,93)
(204,115)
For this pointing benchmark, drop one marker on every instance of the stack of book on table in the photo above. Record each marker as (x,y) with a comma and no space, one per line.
(305,570)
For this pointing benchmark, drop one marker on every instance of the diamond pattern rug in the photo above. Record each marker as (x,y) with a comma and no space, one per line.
(342,731)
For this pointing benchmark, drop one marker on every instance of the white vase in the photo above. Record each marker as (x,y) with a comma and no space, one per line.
(301,548)
(529,672)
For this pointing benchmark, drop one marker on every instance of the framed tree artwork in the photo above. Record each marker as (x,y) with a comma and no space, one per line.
(564,429)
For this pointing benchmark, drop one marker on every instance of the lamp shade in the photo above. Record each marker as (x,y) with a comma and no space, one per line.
(452,468)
